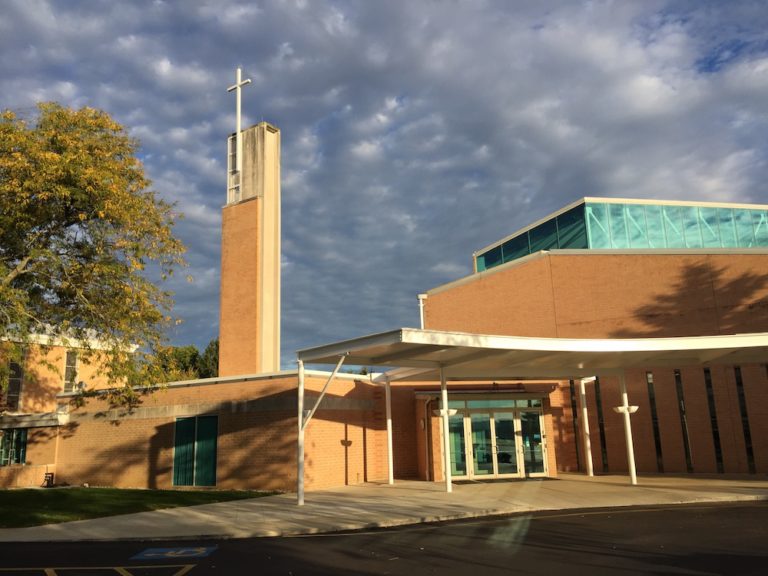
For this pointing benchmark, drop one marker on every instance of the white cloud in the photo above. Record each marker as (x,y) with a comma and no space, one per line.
(412,134)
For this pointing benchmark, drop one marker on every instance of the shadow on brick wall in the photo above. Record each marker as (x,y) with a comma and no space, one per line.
(706,300)
(256,443)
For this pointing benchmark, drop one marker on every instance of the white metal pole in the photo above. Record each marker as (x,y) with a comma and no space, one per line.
(446,429)
(300,449)
(628,429)
(585,426)
(390,461)
(421,297)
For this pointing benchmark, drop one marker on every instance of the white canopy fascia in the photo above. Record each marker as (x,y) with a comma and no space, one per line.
(419,354)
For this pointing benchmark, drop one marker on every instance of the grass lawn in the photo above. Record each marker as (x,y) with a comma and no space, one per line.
(47,506)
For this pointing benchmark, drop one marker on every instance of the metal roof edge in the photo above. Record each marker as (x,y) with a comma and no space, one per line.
(342,347)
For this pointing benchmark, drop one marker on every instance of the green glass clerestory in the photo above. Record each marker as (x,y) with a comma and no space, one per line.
(631,224)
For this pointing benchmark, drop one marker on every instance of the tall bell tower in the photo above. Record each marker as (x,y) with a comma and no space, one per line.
(249,323)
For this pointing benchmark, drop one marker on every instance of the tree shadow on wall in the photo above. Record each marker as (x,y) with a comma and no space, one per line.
(705,300)
(256,444)
(38,393)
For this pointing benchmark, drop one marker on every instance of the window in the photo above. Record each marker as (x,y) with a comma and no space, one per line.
(572,229)
(683,420)
(713,419)
(13,394)
(70,371)
(673,226)
(515,248)
(637,228)
(654,421)
(543,237)
(618,226)
(745,235)
(489,259)
(13,446)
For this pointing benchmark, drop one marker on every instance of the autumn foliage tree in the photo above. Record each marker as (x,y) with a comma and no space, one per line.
(79,227)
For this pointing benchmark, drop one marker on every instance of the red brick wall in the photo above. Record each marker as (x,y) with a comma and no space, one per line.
(755,379)
(240,313)
(562,440)
(344,444)
(598,295)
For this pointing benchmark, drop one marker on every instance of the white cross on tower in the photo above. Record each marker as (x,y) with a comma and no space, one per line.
(237,87)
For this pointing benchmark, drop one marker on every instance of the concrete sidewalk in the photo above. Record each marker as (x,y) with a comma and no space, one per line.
(407,502)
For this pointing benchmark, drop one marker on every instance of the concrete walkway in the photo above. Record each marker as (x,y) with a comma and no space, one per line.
(407,502)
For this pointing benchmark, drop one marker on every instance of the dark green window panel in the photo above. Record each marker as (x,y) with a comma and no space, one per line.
(205,453)
(727,228)
(13,446)
(691,228)
(637,229)
(544,236)
(745,235)
(654,222)
(489,259)
(710,232)
(515,248)
(572,229)
(194,457)
(597,226)
(618,226)
(673,227)
(184,452)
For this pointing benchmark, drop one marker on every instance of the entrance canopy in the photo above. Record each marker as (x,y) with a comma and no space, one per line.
(420,354)
(431,355)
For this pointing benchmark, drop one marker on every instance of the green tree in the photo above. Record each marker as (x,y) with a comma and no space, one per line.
(78,228)
(176,363)
(209,360)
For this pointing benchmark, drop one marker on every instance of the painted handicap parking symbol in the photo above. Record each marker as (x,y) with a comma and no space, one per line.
(174,553)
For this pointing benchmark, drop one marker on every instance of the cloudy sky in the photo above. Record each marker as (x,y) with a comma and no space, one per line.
(414,132)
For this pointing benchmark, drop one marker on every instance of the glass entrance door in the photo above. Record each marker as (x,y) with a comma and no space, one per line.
(494,450)
(534,457)
(506,444)
(456,437)
(496,444)
(483,452)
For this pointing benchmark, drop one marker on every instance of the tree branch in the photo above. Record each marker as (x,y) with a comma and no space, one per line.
(20,269)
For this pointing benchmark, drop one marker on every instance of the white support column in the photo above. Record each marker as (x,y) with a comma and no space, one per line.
(390,461)
(446,429)
(625,409)
(300,447)
(585,425)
